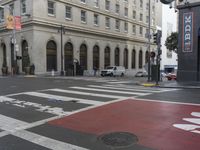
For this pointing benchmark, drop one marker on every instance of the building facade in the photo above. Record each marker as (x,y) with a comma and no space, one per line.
(93,33)
(189,41)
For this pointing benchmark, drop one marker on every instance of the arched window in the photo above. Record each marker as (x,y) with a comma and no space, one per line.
(25,55)
(140,59)
(146,57)
(4,55)
(107,57)
(51,56)
(83,57)
(133,59)
(126,58)
(117,57)
(68,56)
(96,57)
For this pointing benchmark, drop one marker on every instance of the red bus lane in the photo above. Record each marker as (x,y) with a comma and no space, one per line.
(158,125)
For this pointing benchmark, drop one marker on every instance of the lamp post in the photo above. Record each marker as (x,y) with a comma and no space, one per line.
(149,41)
(61,30)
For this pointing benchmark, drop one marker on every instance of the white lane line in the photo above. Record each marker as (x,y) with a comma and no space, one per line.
(45,141)
(110,91)
(63,98)
(38,107)
(86,93)
(124,89)
(11,124)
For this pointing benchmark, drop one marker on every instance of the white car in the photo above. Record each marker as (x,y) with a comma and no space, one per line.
(113,71)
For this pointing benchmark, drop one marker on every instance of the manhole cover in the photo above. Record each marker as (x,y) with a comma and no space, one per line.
(119,139)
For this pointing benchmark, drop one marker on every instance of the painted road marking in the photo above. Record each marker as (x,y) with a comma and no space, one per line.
(110,91)
(142,88)
(45,141)
(38,107)
(10,124)
(63,98)
(125,89)
(86,93)
(190,127)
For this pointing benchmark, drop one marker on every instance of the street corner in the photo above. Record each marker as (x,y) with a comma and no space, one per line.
(152,124)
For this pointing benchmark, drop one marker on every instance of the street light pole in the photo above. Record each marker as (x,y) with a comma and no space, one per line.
(61,44)
(149,42)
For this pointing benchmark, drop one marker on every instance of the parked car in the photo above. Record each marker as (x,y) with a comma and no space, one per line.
(113,71)
(171,76)
(141,74)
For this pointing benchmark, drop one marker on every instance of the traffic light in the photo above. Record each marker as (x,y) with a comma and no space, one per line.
(167,1)
(155,36)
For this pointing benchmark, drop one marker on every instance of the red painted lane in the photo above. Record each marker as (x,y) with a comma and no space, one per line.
(152,122)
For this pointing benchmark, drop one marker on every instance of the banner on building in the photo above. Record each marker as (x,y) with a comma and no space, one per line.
(187,43)
(10,22)
(18,23)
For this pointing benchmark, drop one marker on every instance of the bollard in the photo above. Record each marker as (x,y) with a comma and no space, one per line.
(52,73)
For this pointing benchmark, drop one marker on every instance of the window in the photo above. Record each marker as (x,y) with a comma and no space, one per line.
(23,6)
(117,8)
(83,16)
(141,3)
(107,22)
(83,1)
(51,8)
(147,6)
(117,24)
(125,27)
(1,15)
(147,33)
(134,29)
(134,14)
(96,2)
(68,13)
(11,6)
(141,17)
(107,5)
(141,31)
(126,12)
(140,59)
(96,19)
(134,2)
(147,19)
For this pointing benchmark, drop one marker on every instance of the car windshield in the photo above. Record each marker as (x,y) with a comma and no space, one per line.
(109,67)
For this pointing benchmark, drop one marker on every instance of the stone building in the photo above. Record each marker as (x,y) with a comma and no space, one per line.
(94,33)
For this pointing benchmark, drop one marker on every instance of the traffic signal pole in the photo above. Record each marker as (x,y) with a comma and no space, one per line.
(149,42)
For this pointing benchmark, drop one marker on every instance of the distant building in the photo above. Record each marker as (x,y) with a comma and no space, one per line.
(94,33)
(168,58)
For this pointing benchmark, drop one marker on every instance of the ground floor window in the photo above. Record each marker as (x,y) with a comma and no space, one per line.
(51,52)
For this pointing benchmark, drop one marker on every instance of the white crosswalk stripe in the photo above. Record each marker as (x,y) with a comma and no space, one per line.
(63,98)
(110,91)
(45,141)
(86,93)
(124,89)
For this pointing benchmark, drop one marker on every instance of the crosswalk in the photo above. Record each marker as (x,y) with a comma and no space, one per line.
(21,111)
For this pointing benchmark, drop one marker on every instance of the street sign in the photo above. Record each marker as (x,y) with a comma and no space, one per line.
(16,47)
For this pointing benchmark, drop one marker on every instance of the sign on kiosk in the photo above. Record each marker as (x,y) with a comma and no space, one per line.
(187,43)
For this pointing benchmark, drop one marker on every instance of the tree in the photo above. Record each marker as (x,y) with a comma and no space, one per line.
(172,42)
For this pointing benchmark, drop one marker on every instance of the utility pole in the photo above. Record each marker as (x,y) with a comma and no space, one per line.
(149,42)
(61,46)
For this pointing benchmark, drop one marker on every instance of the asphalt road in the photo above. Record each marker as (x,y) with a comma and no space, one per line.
(97,114)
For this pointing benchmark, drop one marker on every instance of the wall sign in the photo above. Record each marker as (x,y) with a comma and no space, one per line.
(187,43)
